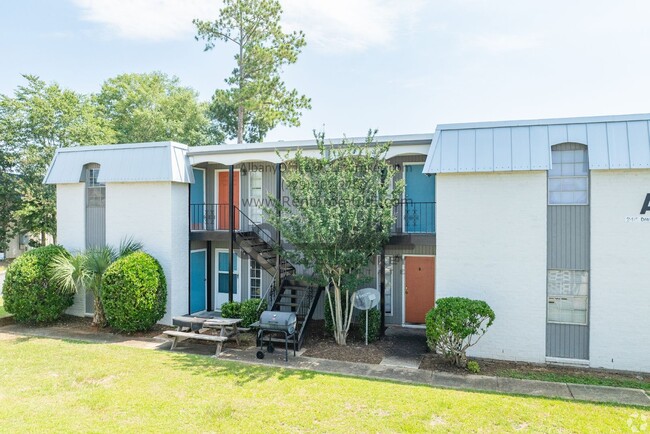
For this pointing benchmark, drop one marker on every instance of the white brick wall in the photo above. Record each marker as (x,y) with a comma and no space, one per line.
(71,228)
(154,213)
(491,245)
(620,271)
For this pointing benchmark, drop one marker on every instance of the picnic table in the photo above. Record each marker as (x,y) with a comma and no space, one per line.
(188,327)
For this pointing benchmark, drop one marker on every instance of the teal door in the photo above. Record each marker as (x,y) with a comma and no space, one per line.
(197,200)
(198,290)
(420,195)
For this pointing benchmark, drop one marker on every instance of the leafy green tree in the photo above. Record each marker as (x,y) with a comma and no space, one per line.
(257,99)
(339,216)
(9,197)
(85,271)
(155,107)
(34,122)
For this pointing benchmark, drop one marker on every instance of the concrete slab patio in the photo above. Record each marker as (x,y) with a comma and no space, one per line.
(382,371)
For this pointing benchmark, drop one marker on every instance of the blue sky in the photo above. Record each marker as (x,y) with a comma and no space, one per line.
(399,66)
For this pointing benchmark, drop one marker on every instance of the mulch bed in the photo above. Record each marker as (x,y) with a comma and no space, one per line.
(321,345)
(435,362)
(84,324)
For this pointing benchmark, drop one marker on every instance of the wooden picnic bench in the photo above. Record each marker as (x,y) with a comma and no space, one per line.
(227,330)
(181,336)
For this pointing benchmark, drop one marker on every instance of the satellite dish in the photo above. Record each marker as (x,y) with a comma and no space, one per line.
(366,299)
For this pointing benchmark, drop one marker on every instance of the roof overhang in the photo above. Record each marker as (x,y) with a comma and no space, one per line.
(135,162)
(613,142)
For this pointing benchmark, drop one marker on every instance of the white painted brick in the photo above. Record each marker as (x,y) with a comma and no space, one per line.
(620,271)
(491,245)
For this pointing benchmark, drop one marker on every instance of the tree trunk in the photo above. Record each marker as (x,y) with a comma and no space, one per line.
(240,124)
(460,360)
(99,318)
(240,108)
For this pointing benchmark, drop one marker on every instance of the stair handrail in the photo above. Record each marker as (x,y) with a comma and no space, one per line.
(267,237)
(268,290)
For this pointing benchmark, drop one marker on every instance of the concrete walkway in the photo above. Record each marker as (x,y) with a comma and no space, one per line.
(566,391)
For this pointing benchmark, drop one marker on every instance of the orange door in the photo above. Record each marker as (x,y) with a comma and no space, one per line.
(419,288)
(223,209)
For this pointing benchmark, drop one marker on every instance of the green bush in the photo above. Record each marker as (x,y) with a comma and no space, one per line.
(374,324)
(134,292)
(455,324)
(232,309)
(473,367)
(28,293)
(250,312)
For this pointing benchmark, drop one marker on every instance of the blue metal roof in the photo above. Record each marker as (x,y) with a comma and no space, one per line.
(613,142)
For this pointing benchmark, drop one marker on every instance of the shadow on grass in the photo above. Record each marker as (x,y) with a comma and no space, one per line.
(243,373)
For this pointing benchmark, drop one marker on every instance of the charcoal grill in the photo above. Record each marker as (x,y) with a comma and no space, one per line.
(275,322)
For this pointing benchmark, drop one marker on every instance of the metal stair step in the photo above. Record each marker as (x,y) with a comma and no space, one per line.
(286,303)
(295,288)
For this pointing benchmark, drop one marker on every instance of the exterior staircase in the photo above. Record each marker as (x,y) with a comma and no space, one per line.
(293,295)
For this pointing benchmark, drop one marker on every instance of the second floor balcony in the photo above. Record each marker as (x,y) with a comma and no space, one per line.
(410,217)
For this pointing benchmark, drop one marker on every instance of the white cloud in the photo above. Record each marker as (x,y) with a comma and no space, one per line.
(152,20)
(330,25)
(351,25)
(502,43)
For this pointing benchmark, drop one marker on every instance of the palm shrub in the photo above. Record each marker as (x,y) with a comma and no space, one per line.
(84,271)
(134,293)
(28,292)
(455,324)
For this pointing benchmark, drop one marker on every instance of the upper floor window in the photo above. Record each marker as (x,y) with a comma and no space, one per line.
(568,179)
(95,191)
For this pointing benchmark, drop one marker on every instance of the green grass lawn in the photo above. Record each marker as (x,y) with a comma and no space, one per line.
(580,379)
(50,385)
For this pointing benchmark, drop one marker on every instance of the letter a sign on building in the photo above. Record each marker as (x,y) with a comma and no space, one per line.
(646,204)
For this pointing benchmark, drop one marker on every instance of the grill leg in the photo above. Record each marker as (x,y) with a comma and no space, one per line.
(294,344)
(286,347)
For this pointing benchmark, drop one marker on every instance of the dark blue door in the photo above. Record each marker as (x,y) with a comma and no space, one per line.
(420,195)
(198,290)
(197,200)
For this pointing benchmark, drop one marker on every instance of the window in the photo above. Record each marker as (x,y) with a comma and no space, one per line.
(255,285)
(568,179)
(255,196)
(388,284)
(95,191)
(567,296)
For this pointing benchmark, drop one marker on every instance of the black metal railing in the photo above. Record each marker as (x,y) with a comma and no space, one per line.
(245,224)
(210,217)
(410,218)
(414,218)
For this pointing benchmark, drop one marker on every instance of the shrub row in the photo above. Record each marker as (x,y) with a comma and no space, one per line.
(249,311)
(134,290)
(27,292)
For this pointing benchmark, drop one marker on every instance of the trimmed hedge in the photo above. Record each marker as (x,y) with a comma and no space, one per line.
(134,293)
(455,324)
(247,310)
(231,309)
(27,291)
